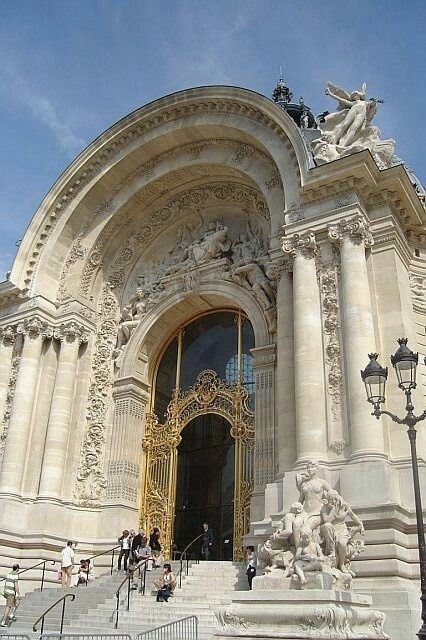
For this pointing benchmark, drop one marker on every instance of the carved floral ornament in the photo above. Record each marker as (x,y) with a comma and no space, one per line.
(8,335)
(103,157)
(354,229)
(303,243)
(33,328)
(71,332)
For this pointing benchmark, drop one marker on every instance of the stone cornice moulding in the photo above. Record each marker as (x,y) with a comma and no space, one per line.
(264,357)
(131,387)
(360,173)
(208,101)
(387,235)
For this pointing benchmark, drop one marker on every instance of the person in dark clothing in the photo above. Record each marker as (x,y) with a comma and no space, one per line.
(154,543)
(251,565)
(139,540)
(207,541)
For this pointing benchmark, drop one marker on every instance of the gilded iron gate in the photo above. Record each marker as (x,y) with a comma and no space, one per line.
(209,394)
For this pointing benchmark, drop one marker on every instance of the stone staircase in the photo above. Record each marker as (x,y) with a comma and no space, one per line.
(208,585)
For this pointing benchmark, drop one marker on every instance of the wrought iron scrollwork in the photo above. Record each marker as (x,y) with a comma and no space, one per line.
(209,394)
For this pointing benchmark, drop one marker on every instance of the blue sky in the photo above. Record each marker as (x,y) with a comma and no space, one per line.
(70,69)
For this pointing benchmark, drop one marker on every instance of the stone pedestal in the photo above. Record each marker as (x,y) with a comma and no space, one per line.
(312,613)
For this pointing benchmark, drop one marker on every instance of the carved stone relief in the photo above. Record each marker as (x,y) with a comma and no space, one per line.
(418,289)
(147,170)
(328,274)
(189,203)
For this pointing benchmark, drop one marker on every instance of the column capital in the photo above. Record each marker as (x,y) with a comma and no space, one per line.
(302,243)
(277,267)
(355,229)
(33,328)
(71,332)
(7,335)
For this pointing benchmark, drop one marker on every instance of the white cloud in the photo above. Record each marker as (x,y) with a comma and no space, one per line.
(17,89)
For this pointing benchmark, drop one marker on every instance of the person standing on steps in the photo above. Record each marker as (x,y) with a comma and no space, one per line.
(207,541)
(154,543)
(125,543)
(67,563)
(12,595)
(251,565)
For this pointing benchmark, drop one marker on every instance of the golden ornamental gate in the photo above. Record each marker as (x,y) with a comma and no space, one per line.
(209,394)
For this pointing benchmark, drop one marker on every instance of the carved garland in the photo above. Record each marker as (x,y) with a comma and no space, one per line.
(114,148)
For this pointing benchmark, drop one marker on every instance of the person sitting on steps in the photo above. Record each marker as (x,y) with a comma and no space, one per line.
(165,585)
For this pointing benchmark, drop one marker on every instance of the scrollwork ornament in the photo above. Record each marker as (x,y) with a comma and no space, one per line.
(33,328)
(303,243)
(354,229)
(71,332)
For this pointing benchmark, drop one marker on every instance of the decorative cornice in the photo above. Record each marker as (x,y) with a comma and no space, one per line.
(303,243)
(71,332)
(34,327)
(354,229)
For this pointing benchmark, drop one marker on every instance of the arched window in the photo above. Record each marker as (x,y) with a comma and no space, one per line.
(220,341)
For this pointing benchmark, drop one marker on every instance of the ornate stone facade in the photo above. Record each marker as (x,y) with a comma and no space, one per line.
(212,200)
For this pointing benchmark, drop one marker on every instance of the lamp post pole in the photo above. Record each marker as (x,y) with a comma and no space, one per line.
(374,377)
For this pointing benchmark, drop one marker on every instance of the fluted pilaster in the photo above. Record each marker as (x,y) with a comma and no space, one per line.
(352,236)
(126,444)
(309,380)
(71,335)
(34,331)
(264,369)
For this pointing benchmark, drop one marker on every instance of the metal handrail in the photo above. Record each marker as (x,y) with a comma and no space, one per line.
(117,546)
(63,600)
(183,557)
(160,633)
(43,562)
(130,573)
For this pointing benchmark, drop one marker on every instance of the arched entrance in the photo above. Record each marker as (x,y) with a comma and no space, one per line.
(205,484)
(223,340)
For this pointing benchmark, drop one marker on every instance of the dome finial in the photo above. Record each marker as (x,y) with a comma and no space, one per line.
(281,94)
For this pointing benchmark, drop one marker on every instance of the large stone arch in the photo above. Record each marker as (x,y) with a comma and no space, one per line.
(148,339)
(134,139)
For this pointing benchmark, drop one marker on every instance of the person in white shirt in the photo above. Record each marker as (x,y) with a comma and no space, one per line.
(67,563)
(125,543)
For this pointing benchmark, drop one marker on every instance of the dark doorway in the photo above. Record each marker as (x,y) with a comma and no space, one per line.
(205,484)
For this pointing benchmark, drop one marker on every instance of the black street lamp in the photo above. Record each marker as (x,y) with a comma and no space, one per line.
(374,377)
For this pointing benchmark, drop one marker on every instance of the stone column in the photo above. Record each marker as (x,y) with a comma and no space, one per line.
(7,340)
(124,465)
(309,382)
(264,370)
(352,236)
(71,335)
(34,331)
(285,425)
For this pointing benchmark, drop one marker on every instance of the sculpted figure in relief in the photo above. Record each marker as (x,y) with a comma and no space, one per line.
(131,315)
(215,243)
(349,129)
(314,536)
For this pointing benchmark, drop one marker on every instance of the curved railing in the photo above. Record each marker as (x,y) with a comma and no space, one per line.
(184,557)
(52,606)
(34,566)
(141,568)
